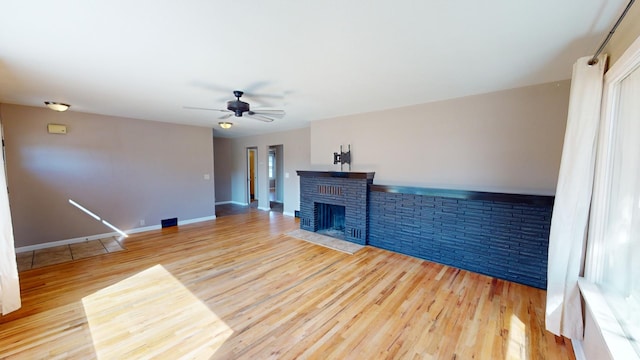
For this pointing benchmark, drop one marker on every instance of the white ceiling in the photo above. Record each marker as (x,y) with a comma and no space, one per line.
(147,59)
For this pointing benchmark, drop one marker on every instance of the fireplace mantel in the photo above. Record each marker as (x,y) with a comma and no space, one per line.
(337,174)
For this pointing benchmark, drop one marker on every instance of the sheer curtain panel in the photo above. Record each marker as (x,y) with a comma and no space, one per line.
(9,284)
(573,199)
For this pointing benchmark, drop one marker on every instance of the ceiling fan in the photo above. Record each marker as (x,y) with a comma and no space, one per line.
(239,108)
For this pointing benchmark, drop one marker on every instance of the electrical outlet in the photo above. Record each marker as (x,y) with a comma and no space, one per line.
(142,222)
(207,176)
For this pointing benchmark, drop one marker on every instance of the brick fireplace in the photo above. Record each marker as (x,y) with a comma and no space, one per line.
(335,203)
(497,234)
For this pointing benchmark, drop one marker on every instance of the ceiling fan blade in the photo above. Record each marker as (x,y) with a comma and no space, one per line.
(256,86)
(252,90)
(268,112)
(259,117)
(226,116)
(272,116)
(269,96)
(201,108)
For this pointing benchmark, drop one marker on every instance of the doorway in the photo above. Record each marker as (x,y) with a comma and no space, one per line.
(252,176)
(275,173)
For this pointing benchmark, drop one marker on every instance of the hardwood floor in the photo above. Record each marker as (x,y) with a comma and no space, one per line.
(234,209)
(238,288)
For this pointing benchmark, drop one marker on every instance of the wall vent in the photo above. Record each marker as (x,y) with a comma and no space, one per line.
(330,190)
(169,222)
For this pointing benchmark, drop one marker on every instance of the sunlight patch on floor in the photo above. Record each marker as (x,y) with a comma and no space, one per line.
(152,314)
(517,345)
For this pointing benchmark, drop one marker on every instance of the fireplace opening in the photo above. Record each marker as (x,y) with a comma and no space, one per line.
(330,220)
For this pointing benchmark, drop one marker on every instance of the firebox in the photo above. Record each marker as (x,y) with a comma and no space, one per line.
(330,220)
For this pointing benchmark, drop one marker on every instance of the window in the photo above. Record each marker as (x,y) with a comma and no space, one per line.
(272,165)
(613,261)
(620,280)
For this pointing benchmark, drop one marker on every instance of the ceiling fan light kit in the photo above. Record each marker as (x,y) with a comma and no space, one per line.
(225,124)
(56,106)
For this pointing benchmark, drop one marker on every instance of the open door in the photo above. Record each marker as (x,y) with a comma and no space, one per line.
(275,174)
(252,175)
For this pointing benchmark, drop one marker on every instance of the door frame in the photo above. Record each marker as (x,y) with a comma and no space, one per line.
(278,170)
(254,163)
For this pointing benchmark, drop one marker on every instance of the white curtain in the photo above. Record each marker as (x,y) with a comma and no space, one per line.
(573,199)
(9,285)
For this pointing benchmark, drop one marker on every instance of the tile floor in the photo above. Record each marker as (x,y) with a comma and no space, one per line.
(63,253)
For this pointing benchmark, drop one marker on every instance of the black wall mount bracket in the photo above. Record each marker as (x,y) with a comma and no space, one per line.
(343,157)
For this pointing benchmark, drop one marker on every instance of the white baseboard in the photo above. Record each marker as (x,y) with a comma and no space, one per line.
(286,213)
(264,208)
(105,235)
(196,220)
(231,202)
(143,229)
(65,242)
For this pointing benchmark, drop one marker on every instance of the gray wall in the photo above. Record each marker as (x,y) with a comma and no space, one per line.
(295,144)
(507,141)
(223,165)
(124,170)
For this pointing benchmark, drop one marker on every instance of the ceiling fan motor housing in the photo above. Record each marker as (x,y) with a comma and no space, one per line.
(238,107)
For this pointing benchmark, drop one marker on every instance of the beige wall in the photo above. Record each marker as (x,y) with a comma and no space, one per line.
(627,32)
(507,141)
(296,157)
(124,170)
(223,164)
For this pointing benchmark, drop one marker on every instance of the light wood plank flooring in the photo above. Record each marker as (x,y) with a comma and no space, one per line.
(238,288)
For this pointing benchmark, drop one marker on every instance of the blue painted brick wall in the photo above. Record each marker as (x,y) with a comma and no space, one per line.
(503,239)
